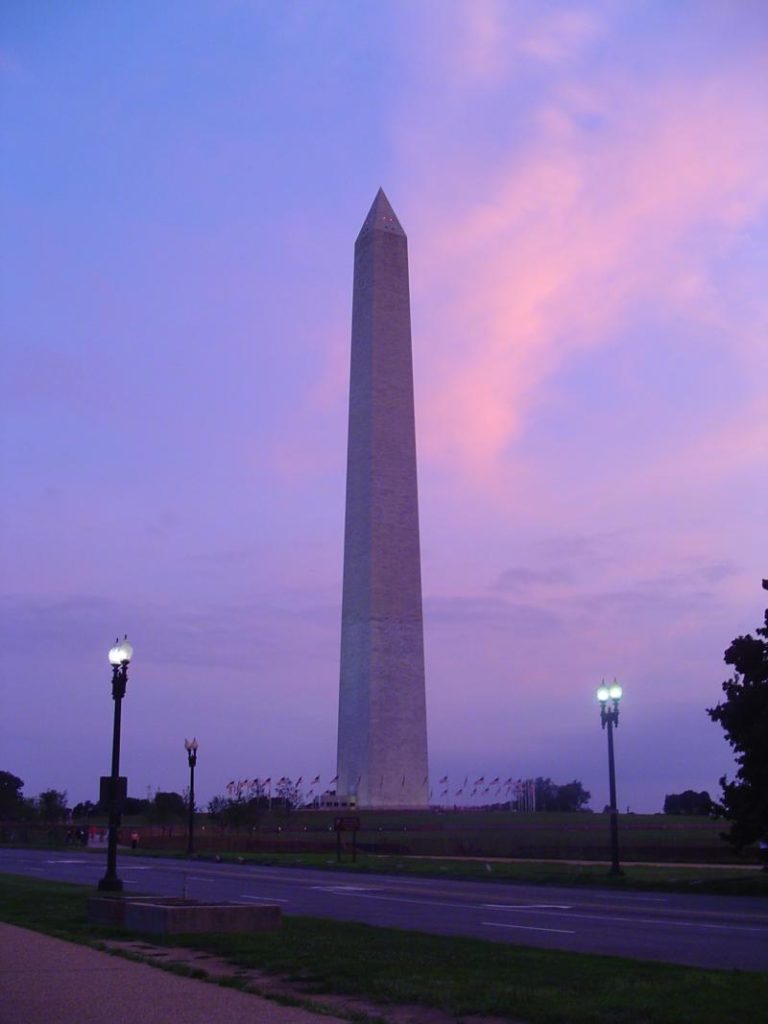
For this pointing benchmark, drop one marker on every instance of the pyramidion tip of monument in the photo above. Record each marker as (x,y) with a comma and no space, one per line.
(381,217)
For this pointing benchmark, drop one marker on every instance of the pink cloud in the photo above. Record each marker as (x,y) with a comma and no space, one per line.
(590,219)
(482,42)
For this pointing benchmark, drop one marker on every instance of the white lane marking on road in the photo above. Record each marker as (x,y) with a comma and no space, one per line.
(672,924)
(345,888)
(135,867)
(262,899)
(401,899)
(629,899)
(527,928)
(526,906)
(67,862)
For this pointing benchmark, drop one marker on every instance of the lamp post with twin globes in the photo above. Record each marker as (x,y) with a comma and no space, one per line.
(191,748)
(609,697)
(119,657)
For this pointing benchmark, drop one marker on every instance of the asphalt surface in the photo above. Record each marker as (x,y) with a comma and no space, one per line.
(700,930)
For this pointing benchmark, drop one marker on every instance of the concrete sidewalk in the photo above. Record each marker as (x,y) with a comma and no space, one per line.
(49,981)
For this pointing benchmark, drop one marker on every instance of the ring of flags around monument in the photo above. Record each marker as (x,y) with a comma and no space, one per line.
(521,792)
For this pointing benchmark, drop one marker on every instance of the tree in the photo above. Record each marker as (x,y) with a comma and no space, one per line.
(688,802)
(217,810)
(52,806)
(287,795)
(744,718)
(85,809)
(133,806)
(11,798)
(551,797)
(572,796)
(168,807)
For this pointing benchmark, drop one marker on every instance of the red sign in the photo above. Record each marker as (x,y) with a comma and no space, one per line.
(346,824)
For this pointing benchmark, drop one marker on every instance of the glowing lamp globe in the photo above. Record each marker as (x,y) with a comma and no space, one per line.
(121,652)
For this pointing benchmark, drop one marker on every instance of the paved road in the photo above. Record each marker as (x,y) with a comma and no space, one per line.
(708,931)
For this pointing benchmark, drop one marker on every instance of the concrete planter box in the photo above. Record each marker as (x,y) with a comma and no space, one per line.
(161,916)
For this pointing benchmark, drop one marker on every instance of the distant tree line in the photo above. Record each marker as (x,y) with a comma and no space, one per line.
(50,806)
(549,796)
(165,808)
(245,805)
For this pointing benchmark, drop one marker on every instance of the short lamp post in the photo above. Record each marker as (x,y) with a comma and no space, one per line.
(119,657)
(609,697)
(191,748)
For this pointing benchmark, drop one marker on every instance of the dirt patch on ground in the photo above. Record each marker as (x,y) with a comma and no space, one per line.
(213,968)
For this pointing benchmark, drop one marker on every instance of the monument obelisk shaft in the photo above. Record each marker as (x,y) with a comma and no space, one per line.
(382,753)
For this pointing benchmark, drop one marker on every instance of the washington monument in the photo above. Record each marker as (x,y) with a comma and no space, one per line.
(382,756)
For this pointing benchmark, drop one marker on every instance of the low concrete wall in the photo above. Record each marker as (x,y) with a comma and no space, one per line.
(175,916)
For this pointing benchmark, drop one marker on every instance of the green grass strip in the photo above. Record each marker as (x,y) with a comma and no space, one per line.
(460,976)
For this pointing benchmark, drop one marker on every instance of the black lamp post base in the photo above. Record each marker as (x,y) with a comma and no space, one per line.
(113,884)
(615,871)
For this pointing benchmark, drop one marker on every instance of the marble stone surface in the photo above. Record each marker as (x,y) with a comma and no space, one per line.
(382,752)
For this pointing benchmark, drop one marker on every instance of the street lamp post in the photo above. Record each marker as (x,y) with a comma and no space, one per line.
(119,657)
(609,697)
(191,748)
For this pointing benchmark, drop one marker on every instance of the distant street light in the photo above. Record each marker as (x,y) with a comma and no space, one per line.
(191,748)
(114,790)
(609,697)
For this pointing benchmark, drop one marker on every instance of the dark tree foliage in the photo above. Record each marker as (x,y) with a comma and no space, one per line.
(551,797)
(85,809)
(133,806)
(52,806)
(168,807)
(238,812)
(217,810)
(287,795)
(744,718)
(688,802)
(11,798)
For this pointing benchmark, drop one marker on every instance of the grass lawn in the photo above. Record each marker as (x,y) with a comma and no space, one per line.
(459,976)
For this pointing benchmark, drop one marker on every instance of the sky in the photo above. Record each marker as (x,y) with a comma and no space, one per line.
(584,186)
